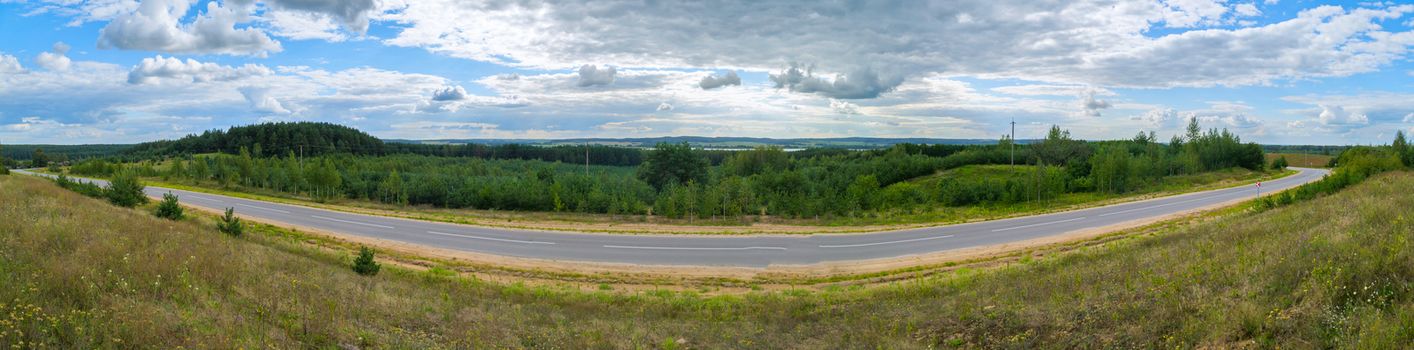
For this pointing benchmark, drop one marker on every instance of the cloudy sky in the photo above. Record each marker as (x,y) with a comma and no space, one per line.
(1284,71)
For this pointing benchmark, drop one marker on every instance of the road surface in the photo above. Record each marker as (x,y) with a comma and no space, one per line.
(733,251)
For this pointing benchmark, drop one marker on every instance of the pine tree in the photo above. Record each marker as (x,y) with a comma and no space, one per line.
(168,208)
(125,190)
(1402,148)
(230,224)
(364,264)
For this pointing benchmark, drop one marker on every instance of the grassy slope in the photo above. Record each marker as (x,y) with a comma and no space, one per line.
(923,215)
(77,273)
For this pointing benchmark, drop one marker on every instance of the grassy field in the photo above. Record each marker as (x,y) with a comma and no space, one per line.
(1301,159)
(923,215)
(78,273)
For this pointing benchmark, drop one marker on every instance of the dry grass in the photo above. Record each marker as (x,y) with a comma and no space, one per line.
(78,273)
(1304,160)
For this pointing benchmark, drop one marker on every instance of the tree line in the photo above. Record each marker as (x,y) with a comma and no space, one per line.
(676,180)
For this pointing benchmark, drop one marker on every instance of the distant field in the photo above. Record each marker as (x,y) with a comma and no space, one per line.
(1301,159)
(1331,273)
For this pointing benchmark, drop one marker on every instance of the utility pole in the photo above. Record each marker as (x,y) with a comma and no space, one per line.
(1013,141)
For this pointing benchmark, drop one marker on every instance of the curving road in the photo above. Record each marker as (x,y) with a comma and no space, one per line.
(737,251)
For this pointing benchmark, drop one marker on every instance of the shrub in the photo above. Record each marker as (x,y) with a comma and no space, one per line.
(230,224)
(364,264)
(125,190)
(1279,163)
(168,208)
(84,188)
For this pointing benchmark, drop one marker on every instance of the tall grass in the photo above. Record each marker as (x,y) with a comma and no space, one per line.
(1335,271)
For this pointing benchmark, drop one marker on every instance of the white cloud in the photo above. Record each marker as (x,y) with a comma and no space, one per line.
(843,107)
(664,107)
(590,75)
(450,93)
(10,64)
(55,60)
(1098,43)
(1090,105)
(1052,90)
(303,26)
(261,101)
(859,84)
(353,14)
(1158,117)
(156,26)
(712,81)
(1338,116)
(1246,10)
(225,27)
(158,69)
(1409,118)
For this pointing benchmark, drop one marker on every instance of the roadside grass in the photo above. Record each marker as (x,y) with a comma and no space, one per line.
(1305,160)
(1334,272)
(918,216)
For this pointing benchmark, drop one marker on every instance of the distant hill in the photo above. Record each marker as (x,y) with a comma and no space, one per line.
(719,142)
(307,138)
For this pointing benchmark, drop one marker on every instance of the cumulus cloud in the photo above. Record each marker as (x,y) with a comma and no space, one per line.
(1246,10)
(712,81)
(1338,116)
(157,69)
(1100,43)
(10,64)
(664,107)
(261,101)
(303,26)
(156,26)
(590,75)
(863,83)
(55,60)
(1052,90)
(353,14)
(450,93)
(1409,118)
(843,107)
(224,27)
(1158,117)
(1090,105)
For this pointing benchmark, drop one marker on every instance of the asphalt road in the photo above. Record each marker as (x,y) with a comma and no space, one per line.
(742,251)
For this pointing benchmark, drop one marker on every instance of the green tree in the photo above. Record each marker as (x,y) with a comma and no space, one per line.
(1110,168)
(1402,149)
(125,190)
(862,191)
(1279,163)
(168,208)
(391,189)
(1059,149)
(230,224)
(758,160)
(673,164)
(364,264)
(39,159)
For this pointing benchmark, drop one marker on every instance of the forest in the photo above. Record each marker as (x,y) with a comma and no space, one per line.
(677,180)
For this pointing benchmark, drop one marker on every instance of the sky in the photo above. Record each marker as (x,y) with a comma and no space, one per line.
(1274,71)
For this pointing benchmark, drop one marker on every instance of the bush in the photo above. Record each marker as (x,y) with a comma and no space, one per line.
(84,188)
(230,224)
(125,190)
(364,264)
(168,208)
(1279,163)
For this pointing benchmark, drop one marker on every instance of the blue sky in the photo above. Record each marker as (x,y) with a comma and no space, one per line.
(1285,72)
